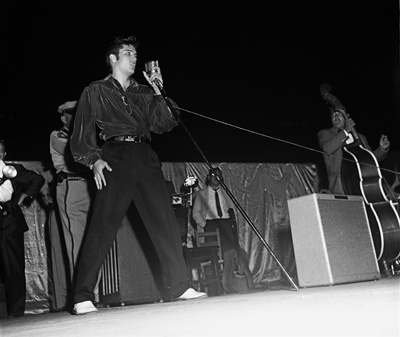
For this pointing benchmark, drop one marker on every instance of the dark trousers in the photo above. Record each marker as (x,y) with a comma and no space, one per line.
(12,264)
(225,232)
(136,176)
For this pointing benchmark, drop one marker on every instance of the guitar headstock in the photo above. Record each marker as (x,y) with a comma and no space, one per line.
(231,214)
(325,90)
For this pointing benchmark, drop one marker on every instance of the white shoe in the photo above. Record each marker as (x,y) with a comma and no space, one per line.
(84,307)
(191,294)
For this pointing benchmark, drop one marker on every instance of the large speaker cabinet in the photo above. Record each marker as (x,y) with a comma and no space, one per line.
(131,273)
(332,240)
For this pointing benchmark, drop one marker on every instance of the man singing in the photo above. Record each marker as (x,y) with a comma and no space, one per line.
(126,170)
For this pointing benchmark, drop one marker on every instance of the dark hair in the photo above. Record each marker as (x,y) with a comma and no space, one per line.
(117,44)
(333,110)
(3,143)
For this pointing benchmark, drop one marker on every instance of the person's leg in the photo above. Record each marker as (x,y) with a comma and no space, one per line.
(74,203)
(153,204)
(109,208)
(60,285)
(13,260)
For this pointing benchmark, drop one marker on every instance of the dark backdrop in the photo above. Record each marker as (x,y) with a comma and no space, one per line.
(257,67)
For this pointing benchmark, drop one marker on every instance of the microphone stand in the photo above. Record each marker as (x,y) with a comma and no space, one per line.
(220,180)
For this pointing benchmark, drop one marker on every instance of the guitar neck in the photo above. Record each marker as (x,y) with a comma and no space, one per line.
(234,227)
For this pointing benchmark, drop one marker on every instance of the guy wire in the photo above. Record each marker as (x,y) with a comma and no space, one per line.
(277,139)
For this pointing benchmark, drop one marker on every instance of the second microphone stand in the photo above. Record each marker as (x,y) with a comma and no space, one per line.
(220,180)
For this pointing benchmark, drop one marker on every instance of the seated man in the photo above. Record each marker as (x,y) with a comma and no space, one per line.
(210,210)
(213,209)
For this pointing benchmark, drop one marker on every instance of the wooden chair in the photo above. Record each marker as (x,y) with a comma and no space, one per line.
(203,269)
(210,239)
(204,263)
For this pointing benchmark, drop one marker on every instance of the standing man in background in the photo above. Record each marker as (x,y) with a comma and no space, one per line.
(74,192)
(16,191)
(341,176)
(332,141)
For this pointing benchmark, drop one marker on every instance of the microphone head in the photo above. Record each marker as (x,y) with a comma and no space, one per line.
(152,67)
(9,172)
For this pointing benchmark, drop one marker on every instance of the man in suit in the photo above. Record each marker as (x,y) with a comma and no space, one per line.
(341,179)
(333,140)
(18,188)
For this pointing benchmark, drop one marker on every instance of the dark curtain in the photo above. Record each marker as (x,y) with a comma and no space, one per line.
(262,190)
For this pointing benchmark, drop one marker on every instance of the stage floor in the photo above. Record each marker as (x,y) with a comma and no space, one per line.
(369,308)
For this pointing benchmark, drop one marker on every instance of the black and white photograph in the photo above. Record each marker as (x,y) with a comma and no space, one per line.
(200,168)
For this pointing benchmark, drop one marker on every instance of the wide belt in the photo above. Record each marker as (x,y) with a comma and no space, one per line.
(73,176)
(133,139)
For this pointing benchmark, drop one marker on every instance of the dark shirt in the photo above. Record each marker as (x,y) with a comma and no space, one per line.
(28,182)
(105,105)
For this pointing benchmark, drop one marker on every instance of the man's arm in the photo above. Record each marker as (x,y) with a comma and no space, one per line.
(162,118)
(31,182)
(197,212)
(381,151)
(34,183)
(83,141)
(330,142)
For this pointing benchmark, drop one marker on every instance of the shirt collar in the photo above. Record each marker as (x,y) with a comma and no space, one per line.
(132,82)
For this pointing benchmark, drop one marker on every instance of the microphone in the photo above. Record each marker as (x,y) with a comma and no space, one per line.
(9,172)
(152,67)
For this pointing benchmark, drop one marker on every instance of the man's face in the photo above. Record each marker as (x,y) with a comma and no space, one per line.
(2,152)
(127,58)
(338,120)
(213,179)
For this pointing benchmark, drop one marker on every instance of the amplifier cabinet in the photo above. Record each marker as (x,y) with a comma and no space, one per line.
(332,240)
(131,273)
